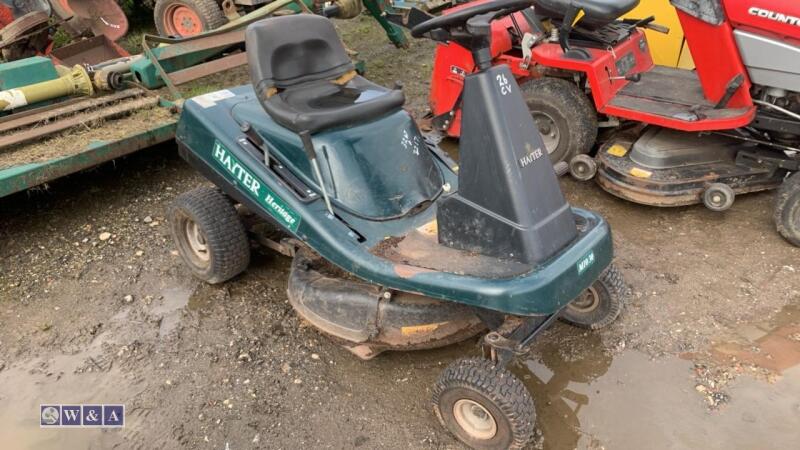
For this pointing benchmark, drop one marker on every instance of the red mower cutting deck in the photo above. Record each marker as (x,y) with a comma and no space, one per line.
(679,136)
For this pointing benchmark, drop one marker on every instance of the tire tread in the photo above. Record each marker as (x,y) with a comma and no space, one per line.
(498,385)
(569,100)
(208,10)
(787,200)
(617,290)
(225,234)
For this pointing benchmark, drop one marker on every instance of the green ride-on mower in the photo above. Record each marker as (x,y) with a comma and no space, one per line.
(393,246)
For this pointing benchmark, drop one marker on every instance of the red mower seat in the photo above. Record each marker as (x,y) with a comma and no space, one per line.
(597,13)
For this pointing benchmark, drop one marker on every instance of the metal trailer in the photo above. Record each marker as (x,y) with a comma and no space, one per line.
(177,62)
(37,171)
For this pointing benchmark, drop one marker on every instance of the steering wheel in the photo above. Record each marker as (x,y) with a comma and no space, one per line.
(503,7)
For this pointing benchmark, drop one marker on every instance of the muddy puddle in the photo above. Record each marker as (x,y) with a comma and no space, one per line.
(588,395)
(588,398)
(87,376)
(773,345)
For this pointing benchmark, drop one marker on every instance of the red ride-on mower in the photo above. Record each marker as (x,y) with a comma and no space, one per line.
(183,18)
(679,136)
(560,108)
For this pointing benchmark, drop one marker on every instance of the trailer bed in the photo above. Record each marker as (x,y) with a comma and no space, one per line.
(85,144)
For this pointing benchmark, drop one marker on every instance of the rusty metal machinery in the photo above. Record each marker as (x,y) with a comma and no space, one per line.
(26,36)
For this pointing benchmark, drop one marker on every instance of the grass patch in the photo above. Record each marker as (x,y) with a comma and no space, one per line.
(189,91)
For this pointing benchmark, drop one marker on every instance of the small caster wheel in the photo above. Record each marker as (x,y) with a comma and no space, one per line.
(483,405)
(582,167)
(718,197)
(561,168)
(600,304)
(209,234)
(787,209)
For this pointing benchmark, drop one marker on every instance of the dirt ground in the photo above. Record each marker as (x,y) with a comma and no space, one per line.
(96,307)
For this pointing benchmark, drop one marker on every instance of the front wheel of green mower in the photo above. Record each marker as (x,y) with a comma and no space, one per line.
(209,234)
(483,405)
(600,305)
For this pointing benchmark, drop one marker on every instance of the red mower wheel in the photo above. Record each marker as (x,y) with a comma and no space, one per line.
(564,116)
(787,209)
(182,18)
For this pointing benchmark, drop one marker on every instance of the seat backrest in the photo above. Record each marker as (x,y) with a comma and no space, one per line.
(289,50)
(598,13)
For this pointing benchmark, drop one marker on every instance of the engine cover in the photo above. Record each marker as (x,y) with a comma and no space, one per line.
(777,18)
(769,62)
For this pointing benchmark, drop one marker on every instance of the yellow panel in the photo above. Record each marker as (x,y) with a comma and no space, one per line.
(686,61)
(617,150)
(420,329)
(666,48)
(430,228)
(640,173)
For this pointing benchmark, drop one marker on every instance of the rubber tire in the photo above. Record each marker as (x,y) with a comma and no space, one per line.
(209,11)
(498,391)
(725,190)
(611,289)
(787,209)
(226,238)
(570,108)
(588,162)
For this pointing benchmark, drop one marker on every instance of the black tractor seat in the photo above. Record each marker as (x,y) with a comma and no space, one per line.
(597,13)
(305,80)
(320,105)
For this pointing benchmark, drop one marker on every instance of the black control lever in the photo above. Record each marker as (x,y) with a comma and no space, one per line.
(648,23)
(733,85)
(480,29)
(331,11)
(409,20)
(633,78)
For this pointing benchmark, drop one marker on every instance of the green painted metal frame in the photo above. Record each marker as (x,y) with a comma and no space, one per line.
(543,290)
(19,178)
(394,32)
(181,53)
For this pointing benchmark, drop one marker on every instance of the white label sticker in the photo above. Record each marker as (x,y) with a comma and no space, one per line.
(530,157)
(411,143)
(211,99)
(585,263)
(505,86)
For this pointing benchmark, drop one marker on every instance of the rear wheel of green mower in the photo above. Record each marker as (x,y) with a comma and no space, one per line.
(483,405)
(787,209)
(600,305)
(209,234)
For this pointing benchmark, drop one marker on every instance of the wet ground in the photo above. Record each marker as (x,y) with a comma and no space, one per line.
(95,306)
